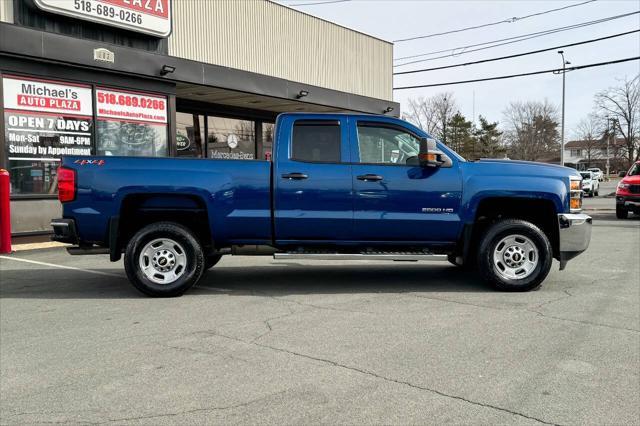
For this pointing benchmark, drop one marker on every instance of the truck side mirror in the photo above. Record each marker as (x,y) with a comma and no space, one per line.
(430,156)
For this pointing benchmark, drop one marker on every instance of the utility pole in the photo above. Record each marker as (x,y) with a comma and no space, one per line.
(611,134)
(564,65)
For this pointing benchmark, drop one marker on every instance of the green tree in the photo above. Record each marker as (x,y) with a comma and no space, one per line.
(487,141)
(459,134)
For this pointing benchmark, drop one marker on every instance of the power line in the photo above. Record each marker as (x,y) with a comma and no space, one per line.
(508,40)
(502,77)
(504,21)
(322,2)
(532,52)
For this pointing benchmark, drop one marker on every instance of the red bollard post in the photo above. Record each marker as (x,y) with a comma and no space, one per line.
(5,213)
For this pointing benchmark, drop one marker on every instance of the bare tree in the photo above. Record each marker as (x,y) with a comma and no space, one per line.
(531,130)
(432,114)
(623,103)
(590,133)
(420,112)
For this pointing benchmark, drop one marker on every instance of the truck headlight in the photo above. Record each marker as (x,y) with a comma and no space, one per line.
(623,185)
(575,200)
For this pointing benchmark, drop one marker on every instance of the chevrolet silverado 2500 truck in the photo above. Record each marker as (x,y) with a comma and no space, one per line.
(339,186)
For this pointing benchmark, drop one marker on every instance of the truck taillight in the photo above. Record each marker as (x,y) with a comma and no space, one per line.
(66,184)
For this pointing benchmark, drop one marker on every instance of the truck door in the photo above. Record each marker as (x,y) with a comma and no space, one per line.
(397,202)
(312,180)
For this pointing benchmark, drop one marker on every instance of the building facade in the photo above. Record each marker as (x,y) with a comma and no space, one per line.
(583,154)
(174,78)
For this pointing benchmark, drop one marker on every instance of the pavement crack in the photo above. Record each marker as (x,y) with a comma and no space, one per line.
(378,376)
(584,322)
(195,410)
(420,296)
(538,310)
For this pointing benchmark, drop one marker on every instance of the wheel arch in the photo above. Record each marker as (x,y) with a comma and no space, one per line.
(542,212)
(140,209)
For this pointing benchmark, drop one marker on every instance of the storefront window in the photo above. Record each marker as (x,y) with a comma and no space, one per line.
(43,120)
(267,140)
(131,123)
(229,138)
(189,135)
(131,139)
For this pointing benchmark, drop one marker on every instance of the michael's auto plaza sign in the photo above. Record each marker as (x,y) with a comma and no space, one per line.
(151,17)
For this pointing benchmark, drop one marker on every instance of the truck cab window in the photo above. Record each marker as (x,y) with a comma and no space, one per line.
(386,145)
(316,141)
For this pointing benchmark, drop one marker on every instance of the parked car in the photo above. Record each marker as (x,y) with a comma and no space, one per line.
(628,193)
(599,174)
(590,185)
(338,187)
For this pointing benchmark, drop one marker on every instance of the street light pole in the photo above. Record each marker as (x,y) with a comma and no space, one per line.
(564,64)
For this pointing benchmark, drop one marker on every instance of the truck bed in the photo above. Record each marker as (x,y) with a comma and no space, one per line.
(236,193)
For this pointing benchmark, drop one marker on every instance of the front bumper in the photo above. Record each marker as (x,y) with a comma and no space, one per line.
(575,235)
(629,202)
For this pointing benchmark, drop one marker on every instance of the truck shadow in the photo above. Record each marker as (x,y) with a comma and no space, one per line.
(293,278)
(273,280)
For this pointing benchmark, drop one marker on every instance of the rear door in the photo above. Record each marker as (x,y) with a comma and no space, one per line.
(312,180)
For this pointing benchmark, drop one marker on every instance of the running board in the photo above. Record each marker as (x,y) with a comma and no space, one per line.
(407,257)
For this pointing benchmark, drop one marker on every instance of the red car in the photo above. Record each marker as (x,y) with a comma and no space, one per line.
(628,193)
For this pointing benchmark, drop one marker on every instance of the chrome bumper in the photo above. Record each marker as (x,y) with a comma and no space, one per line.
(575,234)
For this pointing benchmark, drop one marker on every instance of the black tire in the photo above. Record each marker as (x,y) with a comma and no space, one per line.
(621,212)
(493,237)
(211,261)
(598,192)
(186,243)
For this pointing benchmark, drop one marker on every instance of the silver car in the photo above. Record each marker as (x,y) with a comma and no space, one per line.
(590,184)
(597,172)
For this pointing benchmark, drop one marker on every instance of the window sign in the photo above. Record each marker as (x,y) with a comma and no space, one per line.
(43,121)
(230,138)
(131,123)
(151,17)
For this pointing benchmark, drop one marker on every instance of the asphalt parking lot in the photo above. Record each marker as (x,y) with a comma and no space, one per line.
(264,341)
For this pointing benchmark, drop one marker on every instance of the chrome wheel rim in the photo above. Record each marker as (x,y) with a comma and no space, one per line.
(163,261)
(515,257)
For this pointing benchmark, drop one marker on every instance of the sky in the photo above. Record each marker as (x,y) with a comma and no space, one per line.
(397,19)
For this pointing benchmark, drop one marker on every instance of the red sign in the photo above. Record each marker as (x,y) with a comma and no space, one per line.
(135,106)
(151,17)
(152,7)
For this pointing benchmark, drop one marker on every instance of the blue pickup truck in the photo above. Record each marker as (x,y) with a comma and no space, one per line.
(339,186)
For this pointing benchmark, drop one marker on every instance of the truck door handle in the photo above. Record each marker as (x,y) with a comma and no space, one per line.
(370,177)
(295,176)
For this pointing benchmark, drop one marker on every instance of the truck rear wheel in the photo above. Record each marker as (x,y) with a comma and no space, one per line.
(164,259)
(514,255)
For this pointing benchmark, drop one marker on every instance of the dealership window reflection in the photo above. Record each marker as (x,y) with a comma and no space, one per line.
(267,141)
(189,135)
(230,138)
(130,138)
(33,176)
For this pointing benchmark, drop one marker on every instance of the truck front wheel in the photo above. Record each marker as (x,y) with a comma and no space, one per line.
(164,259)
(514,255)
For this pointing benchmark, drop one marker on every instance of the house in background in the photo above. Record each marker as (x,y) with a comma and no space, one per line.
(583,154)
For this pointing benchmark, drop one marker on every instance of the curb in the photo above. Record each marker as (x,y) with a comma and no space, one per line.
(37,246)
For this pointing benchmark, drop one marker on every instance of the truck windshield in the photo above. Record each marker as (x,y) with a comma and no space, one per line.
(585,175)
(635,170)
